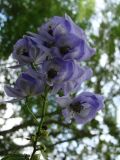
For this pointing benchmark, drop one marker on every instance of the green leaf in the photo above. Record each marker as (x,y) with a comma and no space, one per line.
(16,157)
(36,157)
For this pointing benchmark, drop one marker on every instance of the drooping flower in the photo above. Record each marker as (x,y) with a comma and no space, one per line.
(65,39)
(65,75)
(57,70)
(26,85)
(80,75)
(82,108)
(75,29)
(69,46)
(60,25)
(27,51)
(54,26)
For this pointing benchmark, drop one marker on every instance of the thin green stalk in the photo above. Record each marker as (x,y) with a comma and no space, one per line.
(43,112)
(31,111)
(40,125)
(34,67)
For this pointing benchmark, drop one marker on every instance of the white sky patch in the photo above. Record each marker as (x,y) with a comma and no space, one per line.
(1,121)
(117,103)
(100,4)
(99,117)
(9,111)
(107,88)
(93,79)
(108,138)
(11,122)
(19,140)
(103,60)
(98,17)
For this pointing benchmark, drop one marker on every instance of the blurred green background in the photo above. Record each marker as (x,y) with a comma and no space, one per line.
(97,140)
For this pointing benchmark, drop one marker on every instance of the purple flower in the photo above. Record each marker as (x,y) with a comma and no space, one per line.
(48,32)
(27,51)
(26,85)
(69,46)
(80,75)
(57,70)
(82,108)
(65,39)
(60,25)
(75,29)
(65,75)
(55,26)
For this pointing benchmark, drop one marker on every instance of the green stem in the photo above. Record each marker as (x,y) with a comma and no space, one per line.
(40,125)
(34,67)
(43,112)
(31,111)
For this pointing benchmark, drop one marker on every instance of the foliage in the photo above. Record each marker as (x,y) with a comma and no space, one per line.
(16,156)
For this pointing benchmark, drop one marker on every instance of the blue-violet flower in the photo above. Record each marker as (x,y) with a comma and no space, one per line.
(82,108)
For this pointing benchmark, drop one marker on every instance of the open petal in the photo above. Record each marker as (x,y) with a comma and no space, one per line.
(100,100)
(55,26)
(91,104)
(63,101)
(95,100)
(88,52)
(66,113)
(87,115)
(11,101)
(12,92)
(16,66)
(74,53)
(75,29)
(87,73)
(55,88)
(67,70)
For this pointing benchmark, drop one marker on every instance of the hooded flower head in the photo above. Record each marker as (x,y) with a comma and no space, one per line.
(27,51)
(82,108)
(69,46)
(66,76)
(65,39)
(60,25)
(26,85)
(55,26)
(80,75)
(57,70)
(48,31)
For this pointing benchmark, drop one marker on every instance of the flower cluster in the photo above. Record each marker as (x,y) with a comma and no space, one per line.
(52,57)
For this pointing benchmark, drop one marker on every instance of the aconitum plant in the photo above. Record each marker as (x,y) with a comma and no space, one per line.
(52,59)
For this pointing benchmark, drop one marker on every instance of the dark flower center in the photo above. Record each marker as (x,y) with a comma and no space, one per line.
(52,73)
(76,107)
(50,31)
(24,52)
(64,50)
(48,44)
